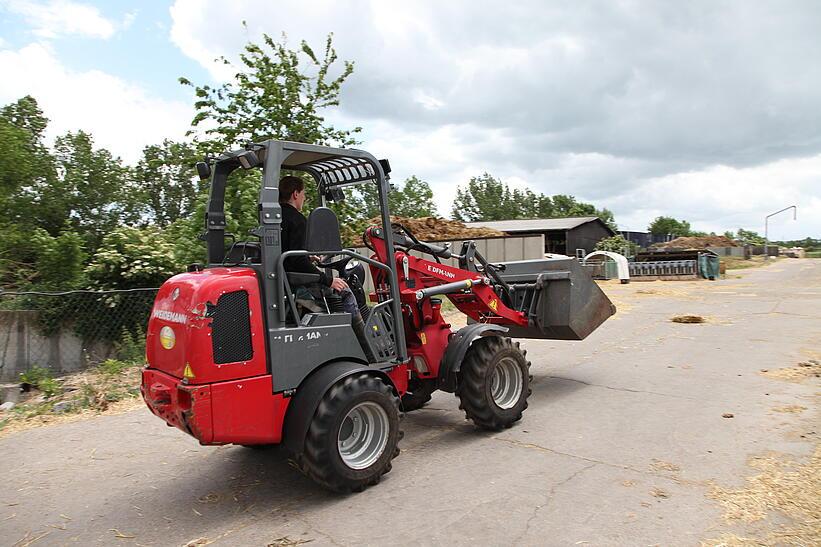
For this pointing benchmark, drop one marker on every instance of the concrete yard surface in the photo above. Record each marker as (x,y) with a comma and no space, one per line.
(625,437)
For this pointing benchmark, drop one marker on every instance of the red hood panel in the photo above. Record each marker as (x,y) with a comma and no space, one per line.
(181,305)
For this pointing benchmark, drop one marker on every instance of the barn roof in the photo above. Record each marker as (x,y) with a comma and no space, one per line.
(536,224)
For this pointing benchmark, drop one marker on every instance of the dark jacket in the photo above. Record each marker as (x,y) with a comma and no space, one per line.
(294,225)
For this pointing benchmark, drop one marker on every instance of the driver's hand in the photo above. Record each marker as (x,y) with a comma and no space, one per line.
(339,284)
(314,258)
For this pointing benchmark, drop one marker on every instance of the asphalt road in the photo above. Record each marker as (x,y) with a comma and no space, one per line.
(623,434)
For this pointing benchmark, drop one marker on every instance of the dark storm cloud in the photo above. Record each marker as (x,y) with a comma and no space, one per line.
(615,102)
(735,83)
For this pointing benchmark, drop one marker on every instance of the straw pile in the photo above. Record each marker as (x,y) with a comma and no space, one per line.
(687,319)
(440,229)
(697,243)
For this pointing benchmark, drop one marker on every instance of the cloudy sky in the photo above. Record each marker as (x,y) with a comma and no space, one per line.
(707,111)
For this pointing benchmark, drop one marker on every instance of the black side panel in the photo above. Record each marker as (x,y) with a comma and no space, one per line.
(297,351)
(231,328)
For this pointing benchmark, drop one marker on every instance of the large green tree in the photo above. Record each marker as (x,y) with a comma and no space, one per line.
(166,182)
(488,198)
(413,198)
(276,93)
(91,196)
(663,226)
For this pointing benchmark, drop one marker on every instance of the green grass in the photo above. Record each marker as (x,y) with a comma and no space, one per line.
(738,263)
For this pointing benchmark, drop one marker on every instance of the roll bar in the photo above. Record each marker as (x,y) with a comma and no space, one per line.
(331,168)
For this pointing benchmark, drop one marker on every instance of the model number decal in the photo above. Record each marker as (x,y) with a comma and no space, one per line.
(290,338)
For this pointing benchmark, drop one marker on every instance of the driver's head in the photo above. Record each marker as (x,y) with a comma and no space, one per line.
(292,190)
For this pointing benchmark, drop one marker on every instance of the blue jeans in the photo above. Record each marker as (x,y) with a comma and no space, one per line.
(349,302)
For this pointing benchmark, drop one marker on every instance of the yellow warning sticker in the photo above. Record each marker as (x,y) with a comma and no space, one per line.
(423,338)
(493,304)
(188,373)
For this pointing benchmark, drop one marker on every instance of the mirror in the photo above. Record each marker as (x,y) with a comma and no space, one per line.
(203,170)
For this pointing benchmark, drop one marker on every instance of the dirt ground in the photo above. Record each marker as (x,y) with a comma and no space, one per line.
(650,432)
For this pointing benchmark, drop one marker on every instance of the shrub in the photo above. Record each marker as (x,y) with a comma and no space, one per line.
(41,378)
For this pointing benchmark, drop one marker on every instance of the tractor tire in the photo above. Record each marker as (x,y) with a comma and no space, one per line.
(353,435)
(494,383)
(419,396)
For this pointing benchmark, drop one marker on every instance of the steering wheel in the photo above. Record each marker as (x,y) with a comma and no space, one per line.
(338,264)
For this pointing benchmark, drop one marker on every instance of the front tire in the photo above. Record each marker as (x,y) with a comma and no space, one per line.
(494,383)
(419,395)
(353,435)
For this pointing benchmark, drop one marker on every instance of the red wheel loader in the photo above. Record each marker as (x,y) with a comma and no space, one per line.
(236,356)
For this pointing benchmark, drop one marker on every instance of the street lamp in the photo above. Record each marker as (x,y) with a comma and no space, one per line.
(766,226)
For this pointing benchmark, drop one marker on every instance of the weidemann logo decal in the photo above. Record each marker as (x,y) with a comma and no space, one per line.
(171,316)
(440,271)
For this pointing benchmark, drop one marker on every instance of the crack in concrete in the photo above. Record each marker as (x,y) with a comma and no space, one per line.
(532,446)
(627,389)
(548,498)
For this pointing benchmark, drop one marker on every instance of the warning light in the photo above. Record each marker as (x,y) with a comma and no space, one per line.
(167,337)
(423,338)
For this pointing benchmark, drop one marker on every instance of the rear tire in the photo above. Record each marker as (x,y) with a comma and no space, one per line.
(353,435)
(419,395)
(494,383)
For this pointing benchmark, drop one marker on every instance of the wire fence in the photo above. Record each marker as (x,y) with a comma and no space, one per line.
(68,331)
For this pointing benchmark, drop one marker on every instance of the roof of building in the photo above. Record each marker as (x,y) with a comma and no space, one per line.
(535,224)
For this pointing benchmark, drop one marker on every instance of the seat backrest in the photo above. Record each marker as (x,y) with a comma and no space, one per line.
(323,231)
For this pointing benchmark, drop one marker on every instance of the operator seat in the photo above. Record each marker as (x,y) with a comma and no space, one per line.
(323,231)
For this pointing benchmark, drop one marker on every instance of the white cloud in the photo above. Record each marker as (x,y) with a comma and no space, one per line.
(121,116)
(645,108)
(727,198)
(63,17)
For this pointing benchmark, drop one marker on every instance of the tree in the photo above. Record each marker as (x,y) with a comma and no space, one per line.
(413,198)
(749,237)
(276,93)
(485,198)
(274,96)
(91,196)
(663,226)
(25,161)
(488,198)
(132,258)
(617,244)
(166,182)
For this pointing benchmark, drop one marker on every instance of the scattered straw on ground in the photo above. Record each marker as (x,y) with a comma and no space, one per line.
(784,486)
(40,420)
(732,540)
(799,373)
(687,319)
(661,465)
(89,393)
(789,409)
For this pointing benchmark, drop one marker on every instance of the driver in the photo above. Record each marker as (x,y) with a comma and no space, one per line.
(294,227)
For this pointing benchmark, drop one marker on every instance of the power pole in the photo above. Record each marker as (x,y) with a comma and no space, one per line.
(766,227)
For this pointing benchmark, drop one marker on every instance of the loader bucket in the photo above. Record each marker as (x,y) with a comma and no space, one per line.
(558,295)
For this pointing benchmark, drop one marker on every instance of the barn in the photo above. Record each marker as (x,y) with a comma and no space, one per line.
(567,236)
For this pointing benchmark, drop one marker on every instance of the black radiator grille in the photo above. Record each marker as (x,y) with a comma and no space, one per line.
(231,328)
